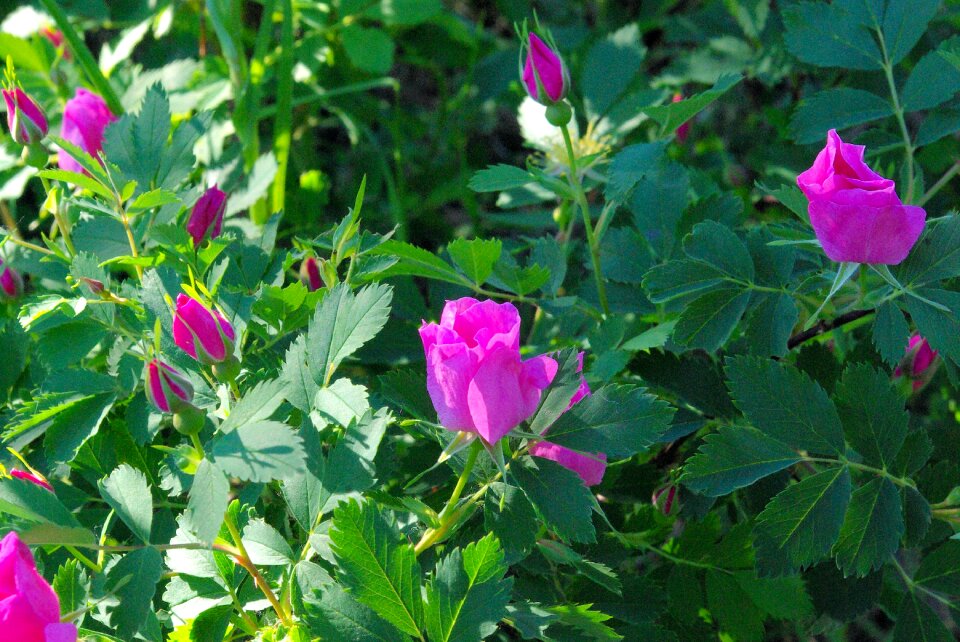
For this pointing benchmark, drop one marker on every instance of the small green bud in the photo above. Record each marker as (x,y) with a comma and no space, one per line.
(559,114)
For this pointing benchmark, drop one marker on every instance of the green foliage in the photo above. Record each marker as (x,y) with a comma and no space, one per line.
(127,492)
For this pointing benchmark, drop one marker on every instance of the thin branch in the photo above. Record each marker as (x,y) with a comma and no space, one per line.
(822,327)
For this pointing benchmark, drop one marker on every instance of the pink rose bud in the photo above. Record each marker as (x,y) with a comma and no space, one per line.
(683,130)
(545,64)
(30,477)
(201,332)
(167,389)
(856,214)
(29,608)
(919,364)
(475,376)
(25,119)
(310,273)
(55,36)
(85,118)
(206,217)
(590,467)
(95,285)
(665,499)
(11,285)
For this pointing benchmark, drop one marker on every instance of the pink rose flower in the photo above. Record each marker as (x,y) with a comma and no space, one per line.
(166,388)
(310,273)
(30,477)
(545,63)
(856,213)
(590,467)
(11,285)
(206,217)
(919,363)
(475,376)
(29,609)
(25,119)
(201,332)
(85,117)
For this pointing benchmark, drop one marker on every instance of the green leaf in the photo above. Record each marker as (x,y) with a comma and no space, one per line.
(266,545)
(85,160)
(586,619)
(609,68)
(675,279)
(71,586)
(790,197)
(259,451)
(708,322)
(74,424)
(509,276)
(209,496)
(299,387)
(82,181)
(26,500)
(335,615)
(631,165)
(136,143)
(655,337)
(340,403)
(408,390)
(211,625)
(931,82)
(935,257)
(890,333)
(618,421)
(498,178)
(904,22)
(720,248)
(344,322)
(302,490)
(783,598)
(916,517)
(872,528)
(804,419)
(257,404)
(377,565)
(735,457)
(349,468)
(731,606)
(916,621)
(414,261)
(153,199)
(133,579)
(938,124)
(468,593)
(771,321)
(368,49)
(830,36)
(406,12)
(127,492)
(872,413)
(940,328)
(256,186)
(800,525)
(508,514)
(597,573)
(835,109)
(672,115)
(476,258)
(556,401)
(940,569)
(559,496)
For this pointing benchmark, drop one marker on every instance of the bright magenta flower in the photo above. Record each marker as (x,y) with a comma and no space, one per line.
(545,63)
(310,273)
(85,117)
(206,217)
(920,362)
(590,467)
(39,481)
(167,388)
(11,285)
(201,332)
(475,376)
(25,119)
(29,609)
(856,213)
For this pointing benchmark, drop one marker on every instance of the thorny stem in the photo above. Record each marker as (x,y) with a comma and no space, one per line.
(588,227)
(822,327)
(243,559)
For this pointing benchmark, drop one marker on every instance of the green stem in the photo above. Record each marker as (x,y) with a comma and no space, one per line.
(880,472)
(432,535)
(195,440)
(936,187)
(93,566)
(577,188)
(283,124)
(79,49)
(898,113)
(673,558)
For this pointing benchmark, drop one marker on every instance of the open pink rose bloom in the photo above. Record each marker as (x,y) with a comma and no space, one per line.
(29,609)
(85,118)
(856,213)
(478,382)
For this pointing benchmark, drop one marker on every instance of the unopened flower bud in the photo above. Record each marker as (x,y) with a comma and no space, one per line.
(36,479)
(167,388)
(919,364)
(206,217)
(544,69)
(27,123)
(310,273)
(202,333)
(666,500)
(11,285)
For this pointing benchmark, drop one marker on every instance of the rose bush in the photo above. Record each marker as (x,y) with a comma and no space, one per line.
(645,362)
